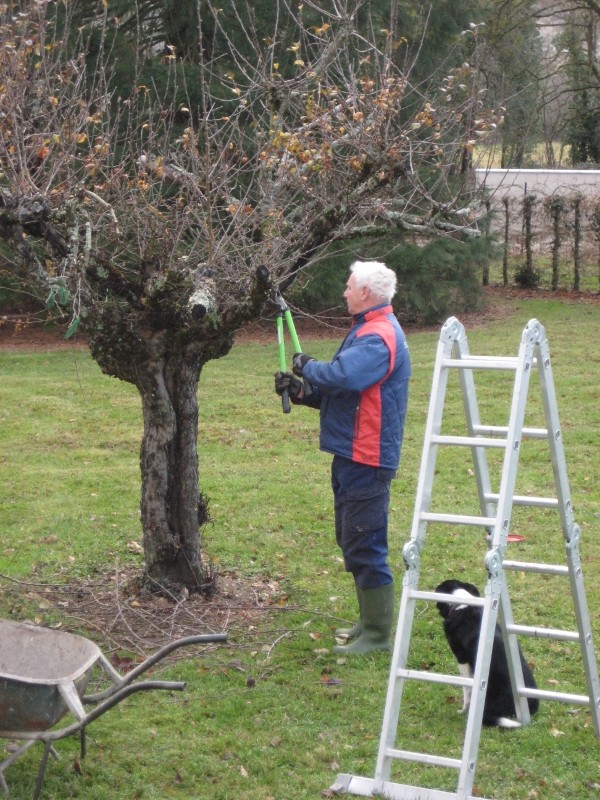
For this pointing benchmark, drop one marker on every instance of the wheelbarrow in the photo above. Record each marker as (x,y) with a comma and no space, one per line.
(44,675)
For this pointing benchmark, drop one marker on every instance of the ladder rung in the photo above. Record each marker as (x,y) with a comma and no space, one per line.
(501,430)
(458,519)
(530,566)
(561,697)
(424,758)
(543,633)
(526,500)
(437,597)
(468,441)
(435,677)
(482,362)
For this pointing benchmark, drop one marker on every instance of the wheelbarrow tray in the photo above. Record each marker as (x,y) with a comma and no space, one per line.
(37,665)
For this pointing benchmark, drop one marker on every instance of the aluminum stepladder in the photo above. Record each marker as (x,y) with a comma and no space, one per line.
(495,515)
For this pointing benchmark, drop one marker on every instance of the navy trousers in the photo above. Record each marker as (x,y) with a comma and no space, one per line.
(361,501)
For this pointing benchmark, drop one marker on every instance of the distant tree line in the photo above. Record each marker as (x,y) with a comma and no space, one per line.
(563,231)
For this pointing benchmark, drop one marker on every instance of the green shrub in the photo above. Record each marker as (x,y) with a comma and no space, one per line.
(527,276)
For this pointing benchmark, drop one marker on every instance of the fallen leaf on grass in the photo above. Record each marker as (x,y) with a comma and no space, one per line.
(450,700)
(520,774)
(556,733)
(326,680)
(244,772)
(123,662)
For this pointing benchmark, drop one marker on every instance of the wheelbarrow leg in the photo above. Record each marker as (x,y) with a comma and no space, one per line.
(48,749)
(11,758)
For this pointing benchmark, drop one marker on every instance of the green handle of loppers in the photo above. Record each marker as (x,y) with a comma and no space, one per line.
(292,330)
(285,398)
(296,343)
(285,313)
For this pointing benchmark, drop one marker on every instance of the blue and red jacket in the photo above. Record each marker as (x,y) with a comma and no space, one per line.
(362,392)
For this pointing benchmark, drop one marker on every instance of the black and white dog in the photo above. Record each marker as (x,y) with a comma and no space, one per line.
(462,624)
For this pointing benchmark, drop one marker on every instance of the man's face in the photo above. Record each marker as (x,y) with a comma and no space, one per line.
(357,299)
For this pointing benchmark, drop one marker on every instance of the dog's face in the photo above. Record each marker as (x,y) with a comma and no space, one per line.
(456,588)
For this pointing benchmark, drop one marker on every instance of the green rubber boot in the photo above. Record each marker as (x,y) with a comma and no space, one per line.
(355,630)
(377,612)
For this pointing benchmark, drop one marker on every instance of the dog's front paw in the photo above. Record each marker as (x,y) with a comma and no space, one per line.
(466,697)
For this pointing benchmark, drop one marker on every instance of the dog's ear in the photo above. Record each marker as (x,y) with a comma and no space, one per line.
(445,587)
(444,609)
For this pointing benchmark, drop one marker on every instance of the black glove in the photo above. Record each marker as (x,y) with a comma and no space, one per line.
(286,381)
(299,361)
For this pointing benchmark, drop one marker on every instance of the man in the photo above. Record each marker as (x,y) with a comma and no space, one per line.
(362,396)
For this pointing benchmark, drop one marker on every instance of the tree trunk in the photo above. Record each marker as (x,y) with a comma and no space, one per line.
(165,368)
(577,244)
(172,507)
(505,252)
(555,246)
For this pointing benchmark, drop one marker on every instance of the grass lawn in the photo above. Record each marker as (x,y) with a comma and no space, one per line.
(275,715)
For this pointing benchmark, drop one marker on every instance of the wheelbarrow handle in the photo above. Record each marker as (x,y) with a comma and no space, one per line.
(121,681)
(168,648)
(124,691)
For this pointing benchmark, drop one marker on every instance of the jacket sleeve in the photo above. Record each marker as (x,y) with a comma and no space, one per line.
(313,400)
(355,368)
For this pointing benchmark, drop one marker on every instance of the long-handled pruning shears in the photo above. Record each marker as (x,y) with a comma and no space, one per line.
(285,313)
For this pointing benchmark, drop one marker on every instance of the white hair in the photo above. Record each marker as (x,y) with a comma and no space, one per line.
(376,276)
